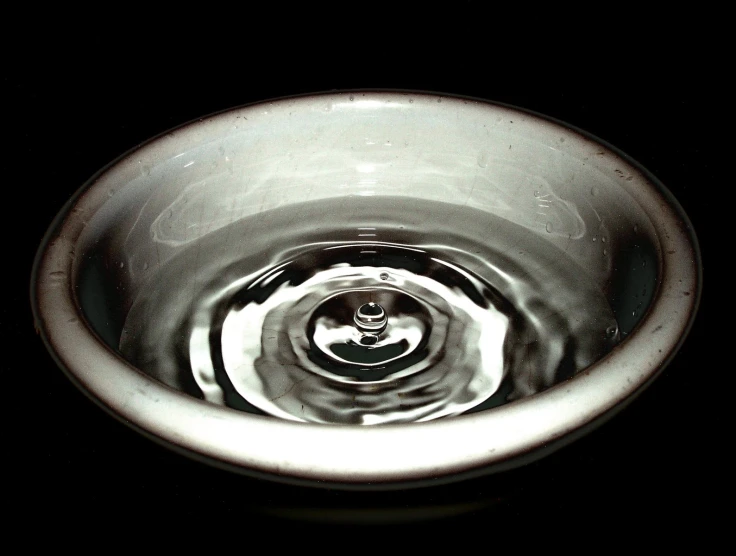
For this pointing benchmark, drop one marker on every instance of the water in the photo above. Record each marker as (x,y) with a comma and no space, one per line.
(414,311)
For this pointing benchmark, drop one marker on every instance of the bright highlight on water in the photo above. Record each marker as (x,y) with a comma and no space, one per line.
(326,325)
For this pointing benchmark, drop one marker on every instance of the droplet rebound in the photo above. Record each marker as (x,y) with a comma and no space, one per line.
(371,317)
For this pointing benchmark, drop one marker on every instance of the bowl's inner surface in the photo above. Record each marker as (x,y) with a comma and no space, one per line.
(366,259)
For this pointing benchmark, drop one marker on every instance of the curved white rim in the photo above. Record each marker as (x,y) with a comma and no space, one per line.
(380,454)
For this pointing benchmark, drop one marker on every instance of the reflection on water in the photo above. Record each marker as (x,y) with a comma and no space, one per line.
(262,315)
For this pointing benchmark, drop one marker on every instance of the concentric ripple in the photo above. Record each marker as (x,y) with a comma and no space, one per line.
(322,325)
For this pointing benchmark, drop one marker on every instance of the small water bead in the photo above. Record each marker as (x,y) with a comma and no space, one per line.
(548,227)
(371,317)
(383,276)
(594,191)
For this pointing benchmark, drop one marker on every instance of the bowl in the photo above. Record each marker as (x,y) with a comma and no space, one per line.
(175,250)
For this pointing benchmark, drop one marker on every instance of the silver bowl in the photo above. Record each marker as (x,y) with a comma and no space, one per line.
(145,208)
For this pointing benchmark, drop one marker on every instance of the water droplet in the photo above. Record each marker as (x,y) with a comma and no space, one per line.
(439,99)
(351,98)
(145,266)
(383,276)
(643,264)
(537,193)
(636,229)
(548,227)
(595,238)
(605,251)
(122,265)
(371,317)
(603,239)
(611,331)
(483,160)
(594,191)
(411,100)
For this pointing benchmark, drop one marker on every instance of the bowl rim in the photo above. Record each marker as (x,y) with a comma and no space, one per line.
(386,456)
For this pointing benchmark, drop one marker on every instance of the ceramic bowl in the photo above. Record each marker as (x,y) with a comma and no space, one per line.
(611,217)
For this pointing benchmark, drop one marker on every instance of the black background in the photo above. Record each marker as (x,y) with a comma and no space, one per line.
(75,109)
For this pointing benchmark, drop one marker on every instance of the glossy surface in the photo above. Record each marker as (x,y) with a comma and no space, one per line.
(480,312)
(463,160)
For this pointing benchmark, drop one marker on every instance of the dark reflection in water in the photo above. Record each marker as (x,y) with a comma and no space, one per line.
(478,311)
